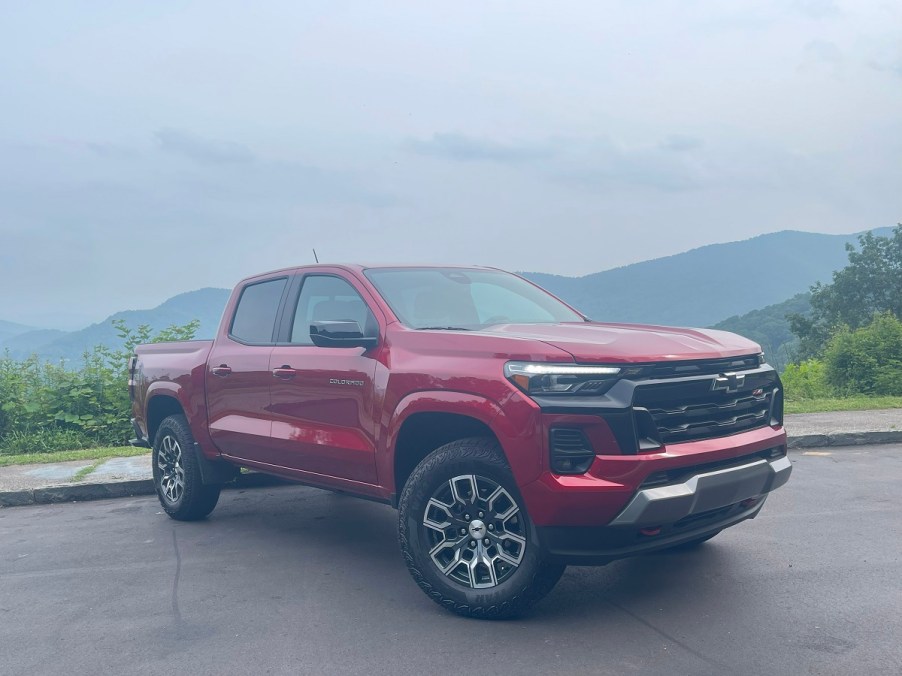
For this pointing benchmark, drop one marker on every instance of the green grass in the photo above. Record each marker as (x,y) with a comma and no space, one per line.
(856,403)
(61,456)
(85,471)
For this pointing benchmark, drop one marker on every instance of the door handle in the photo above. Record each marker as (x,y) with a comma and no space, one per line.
(222,370)
(285,372)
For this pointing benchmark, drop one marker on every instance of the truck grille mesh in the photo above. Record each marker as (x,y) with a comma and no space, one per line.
(689,411)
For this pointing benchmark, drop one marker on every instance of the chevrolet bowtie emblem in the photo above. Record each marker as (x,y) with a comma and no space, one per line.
(728,382)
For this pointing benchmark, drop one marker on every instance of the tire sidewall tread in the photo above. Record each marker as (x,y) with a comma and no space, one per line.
(198,499)
(534,577)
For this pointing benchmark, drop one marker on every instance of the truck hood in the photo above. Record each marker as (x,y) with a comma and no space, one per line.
(594,342)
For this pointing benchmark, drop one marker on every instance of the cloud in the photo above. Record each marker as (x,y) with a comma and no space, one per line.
(642,169)
(109,150)
(202,150)
(463,148)
(816,9)
(595,162)
(603,164)
(823,54)
(680,143)
(887,63)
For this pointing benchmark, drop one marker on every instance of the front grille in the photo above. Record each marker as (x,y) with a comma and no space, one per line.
(702,367)
(692,410)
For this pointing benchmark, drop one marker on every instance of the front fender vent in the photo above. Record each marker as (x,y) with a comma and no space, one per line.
(571,452)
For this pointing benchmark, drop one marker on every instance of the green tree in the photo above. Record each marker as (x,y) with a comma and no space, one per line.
(869,285)
(867,360)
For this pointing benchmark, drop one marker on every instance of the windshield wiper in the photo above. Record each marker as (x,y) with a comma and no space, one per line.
(441,328)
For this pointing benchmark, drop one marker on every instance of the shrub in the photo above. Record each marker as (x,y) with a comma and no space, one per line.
(45,441)
(867,360)
(807,380)
(55,408)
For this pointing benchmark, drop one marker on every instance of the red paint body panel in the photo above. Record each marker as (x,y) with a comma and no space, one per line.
(311,427)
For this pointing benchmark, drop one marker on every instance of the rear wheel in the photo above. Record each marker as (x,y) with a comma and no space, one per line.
(466,537)
(176,474)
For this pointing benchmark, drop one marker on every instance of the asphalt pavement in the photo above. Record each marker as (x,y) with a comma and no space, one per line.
(301,581)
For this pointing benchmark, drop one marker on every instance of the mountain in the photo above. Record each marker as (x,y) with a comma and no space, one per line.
(30,341)
(737,286)
(204,304)
(11,330)
(704,286)
(770,329)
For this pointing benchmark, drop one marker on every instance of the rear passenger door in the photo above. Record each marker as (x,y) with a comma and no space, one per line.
(237,375)
(322,398)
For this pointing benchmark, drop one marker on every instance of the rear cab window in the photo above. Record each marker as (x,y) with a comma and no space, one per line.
(255,316)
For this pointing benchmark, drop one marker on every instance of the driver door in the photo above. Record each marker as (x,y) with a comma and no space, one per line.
(322,398)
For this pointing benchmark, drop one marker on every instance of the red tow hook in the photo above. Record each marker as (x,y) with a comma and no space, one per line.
(651,532)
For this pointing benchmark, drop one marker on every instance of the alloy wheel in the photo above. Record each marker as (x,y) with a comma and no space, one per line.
(475,531)
(172,474)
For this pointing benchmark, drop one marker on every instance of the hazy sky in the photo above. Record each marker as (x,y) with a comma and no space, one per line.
(151,149)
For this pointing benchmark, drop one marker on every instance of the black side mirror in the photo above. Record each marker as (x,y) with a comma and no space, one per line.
(340,334)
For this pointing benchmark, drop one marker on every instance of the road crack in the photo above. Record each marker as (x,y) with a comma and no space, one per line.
(672,639)
(176,612)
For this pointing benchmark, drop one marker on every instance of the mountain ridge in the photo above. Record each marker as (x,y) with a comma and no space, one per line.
(705,285)
(720,285)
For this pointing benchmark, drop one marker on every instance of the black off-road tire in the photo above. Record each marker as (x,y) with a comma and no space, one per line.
(176,474)
(523,585)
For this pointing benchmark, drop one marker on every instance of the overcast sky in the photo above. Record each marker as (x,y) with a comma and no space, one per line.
(149,150)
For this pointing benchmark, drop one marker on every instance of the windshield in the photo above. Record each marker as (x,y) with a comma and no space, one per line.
(454,298)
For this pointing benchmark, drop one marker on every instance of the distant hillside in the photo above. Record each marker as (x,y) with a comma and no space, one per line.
(28,342)
(739,286)
(205,304)
(704,286)
(770,329)
(10,330)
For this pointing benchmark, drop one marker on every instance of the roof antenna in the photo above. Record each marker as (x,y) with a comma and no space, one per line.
(315,257)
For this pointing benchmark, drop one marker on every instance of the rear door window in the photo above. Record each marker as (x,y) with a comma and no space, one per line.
(255,316)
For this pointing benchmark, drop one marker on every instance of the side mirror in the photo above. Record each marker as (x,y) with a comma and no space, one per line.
(340,334)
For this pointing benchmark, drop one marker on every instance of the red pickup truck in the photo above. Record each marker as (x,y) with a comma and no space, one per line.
(513,434)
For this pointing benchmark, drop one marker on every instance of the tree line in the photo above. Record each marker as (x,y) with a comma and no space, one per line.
(851,341)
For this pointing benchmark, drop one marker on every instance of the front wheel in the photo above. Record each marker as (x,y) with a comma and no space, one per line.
(176,473)
(466,537)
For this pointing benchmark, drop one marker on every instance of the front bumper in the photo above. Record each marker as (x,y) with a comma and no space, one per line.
(596,546)
(704,492)
(665,516)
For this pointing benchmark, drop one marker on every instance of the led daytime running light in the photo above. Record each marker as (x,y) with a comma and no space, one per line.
(522,368)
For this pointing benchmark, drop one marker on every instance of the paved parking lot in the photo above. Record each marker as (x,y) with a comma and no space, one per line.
(296,580)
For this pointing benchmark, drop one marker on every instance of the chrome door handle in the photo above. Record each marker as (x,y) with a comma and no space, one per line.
(284,372)
(222,370)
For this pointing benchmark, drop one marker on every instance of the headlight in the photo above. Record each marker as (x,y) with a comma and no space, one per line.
(540,378)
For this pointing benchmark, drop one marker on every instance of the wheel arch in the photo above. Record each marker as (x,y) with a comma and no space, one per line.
(160,406)
(427,420)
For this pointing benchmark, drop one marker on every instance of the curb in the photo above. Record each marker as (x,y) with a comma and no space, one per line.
(844,439)
(117,489)
(127,489)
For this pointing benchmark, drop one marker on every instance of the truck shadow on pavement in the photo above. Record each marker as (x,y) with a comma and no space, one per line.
(355,536)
